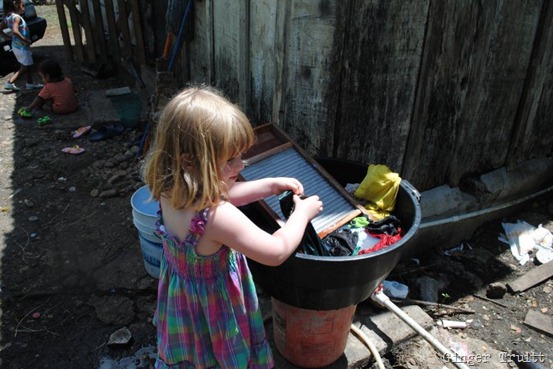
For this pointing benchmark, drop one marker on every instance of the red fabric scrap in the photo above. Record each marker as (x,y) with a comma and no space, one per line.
(385,240)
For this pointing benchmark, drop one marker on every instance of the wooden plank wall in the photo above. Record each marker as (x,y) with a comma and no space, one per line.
(438,90)
(118,30)
(470,86)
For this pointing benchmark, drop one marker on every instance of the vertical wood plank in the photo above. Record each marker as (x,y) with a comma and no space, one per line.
(124,27)
(244,93)
(76,27)
(309,45)
(99,31)
(202,67)
(533,133)
(383,47)
(138,35)
(112,30)
(228,54)
(201,46)
(498,79)
(85,22)
(64,31)
(281,35)
(263,59)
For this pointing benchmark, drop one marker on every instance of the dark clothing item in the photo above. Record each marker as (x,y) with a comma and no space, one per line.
(311,243)
(341,242)
(389,225)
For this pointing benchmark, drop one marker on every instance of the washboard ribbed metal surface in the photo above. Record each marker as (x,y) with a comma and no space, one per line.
(290,163)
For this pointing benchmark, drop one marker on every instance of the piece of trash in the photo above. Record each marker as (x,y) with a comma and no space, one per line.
(33,218)
(524,238)
(463,246)
(395,289)
(451,323)
(15,193)
(120,337)
(36,315)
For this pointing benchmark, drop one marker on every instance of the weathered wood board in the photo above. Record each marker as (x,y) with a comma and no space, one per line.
(532,278)
(540,322)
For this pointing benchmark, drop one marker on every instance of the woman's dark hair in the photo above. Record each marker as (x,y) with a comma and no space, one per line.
(52,69)
(9,6)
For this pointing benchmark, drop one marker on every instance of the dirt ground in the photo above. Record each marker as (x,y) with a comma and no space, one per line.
(72,272)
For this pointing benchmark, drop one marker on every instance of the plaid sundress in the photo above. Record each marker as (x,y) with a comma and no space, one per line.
(207,314)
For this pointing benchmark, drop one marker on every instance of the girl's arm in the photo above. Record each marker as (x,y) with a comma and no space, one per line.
(242,193)
(38,102)
(229,226)
(15,30)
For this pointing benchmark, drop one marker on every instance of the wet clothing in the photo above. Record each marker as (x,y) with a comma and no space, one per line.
(61,94)
(208,314)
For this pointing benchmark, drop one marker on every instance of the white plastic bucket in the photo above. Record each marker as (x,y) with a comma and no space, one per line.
(144,216)
(151,252)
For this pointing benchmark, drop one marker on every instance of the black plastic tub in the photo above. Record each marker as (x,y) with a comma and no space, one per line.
(332,282)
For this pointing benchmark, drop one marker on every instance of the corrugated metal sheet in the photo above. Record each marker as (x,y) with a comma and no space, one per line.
(290,163)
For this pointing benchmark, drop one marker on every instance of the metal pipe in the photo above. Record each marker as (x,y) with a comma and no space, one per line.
(382,299)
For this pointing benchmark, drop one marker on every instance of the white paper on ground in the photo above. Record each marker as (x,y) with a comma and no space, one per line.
(524,238)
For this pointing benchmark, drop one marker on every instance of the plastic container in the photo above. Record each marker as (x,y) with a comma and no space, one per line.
(394,289)
(335,282)
(310,338)
(151,252)
(144,216)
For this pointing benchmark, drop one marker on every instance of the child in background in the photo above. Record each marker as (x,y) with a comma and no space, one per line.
(208,315)
(21,42)
(58,90)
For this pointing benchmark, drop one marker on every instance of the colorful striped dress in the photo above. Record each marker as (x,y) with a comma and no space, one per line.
(207,314)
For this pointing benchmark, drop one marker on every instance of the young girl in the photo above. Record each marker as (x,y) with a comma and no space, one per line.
(21,42)
(208,314)
(58,90)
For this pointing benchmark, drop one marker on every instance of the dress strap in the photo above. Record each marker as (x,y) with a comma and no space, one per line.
(198,222)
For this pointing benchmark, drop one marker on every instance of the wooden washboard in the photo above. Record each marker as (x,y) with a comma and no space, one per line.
(275,155)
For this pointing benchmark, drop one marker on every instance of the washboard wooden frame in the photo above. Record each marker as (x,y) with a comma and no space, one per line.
(276,155)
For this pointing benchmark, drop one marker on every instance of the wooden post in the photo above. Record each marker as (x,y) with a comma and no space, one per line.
(113,32)
(76,26)
(99,33)
(124,26)
(64,30)
(85,12)
(138,36)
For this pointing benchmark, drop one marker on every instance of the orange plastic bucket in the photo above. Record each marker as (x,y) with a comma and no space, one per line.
(310,338)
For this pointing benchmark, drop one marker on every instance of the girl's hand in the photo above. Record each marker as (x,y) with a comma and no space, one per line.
(281,184)
(310,206)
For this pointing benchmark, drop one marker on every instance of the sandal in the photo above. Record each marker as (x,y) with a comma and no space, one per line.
(81,131)
(73,150)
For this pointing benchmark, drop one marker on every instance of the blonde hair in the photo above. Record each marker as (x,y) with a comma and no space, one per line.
(198,131)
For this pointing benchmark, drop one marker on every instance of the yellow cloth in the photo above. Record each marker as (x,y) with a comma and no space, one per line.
(380,187)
